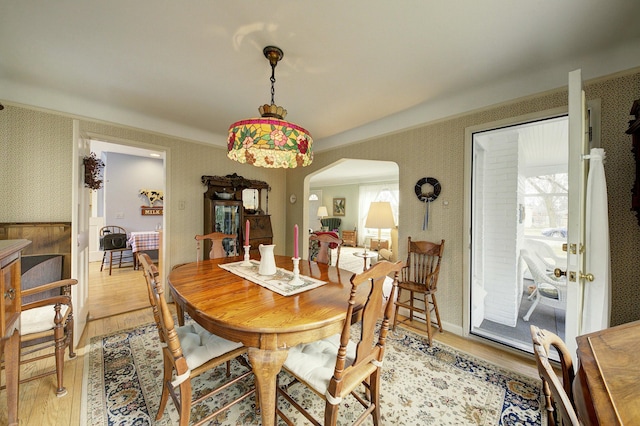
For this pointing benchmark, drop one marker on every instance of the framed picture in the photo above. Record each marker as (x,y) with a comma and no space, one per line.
(338,206)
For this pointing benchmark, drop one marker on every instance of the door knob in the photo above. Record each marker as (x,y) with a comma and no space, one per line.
(559,272)
(588,277)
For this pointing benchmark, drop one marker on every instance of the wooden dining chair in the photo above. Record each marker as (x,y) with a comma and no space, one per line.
(321,246)
(559,400)
(113,240)
(420,277)
(334,367)
(46,321)
(187,352)
(217,241)
(217,250)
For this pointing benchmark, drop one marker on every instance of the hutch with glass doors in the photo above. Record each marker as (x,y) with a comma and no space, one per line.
(228,202)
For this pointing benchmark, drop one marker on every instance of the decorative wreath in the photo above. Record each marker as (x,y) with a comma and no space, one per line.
(429,196)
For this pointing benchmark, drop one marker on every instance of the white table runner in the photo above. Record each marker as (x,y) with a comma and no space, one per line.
(280,282)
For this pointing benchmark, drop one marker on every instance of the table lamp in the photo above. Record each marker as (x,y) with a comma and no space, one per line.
(322,213)
(380,216)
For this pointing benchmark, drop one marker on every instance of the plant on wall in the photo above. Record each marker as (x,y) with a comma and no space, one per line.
(92,171)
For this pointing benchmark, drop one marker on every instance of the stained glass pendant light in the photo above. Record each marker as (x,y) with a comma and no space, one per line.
(270,141)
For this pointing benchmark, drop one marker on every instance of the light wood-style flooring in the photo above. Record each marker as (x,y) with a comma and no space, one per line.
(120,302)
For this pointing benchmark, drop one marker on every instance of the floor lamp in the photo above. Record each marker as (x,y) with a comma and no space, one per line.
(380,216)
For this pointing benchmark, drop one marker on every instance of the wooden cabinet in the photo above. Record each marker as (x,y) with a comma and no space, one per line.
(634,131)
(260,232)
(350,238)
(10,270)
(226,210)
(226,217)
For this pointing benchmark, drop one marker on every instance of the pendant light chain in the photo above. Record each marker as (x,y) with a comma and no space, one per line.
(273,82)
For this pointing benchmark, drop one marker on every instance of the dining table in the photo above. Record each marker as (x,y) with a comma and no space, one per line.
(265,321)
(606,388)
(143,241)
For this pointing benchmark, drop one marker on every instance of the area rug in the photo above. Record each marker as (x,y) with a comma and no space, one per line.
(421,385)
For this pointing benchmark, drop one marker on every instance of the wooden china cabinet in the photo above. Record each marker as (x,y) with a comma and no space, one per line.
(634,131)
(228,202)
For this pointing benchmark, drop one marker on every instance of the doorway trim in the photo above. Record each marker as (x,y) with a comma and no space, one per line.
(468,172)
(166,217)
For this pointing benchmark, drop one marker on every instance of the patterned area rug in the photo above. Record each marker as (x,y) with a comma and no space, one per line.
(421,385)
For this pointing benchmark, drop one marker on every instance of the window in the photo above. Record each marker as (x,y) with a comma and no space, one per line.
(376,192)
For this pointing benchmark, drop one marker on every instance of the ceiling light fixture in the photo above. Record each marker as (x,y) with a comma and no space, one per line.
(270,141)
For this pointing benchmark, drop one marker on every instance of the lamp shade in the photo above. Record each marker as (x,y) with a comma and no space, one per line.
(269,142)
(380,216)
(322,211)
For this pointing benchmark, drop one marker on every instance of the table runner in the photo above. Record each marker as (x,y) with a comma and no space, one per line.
(280,282)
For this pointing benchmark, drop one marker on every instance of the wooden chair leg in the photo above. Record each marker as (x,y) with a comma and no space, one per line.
(395,317)
(58,335)
(104,256)
(166,380)
(331,414)
(185,402)
(70,335)
(427,314)
(411,304)
(374,397)
(435,308)
(110,261)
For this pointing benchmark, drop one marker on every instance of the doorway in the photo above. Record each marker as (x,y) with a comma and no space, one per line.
(119,202)
(518,196)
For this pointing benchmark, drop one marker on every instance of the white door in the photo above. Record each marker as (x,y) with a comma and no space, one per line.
(80,233)
(576,235)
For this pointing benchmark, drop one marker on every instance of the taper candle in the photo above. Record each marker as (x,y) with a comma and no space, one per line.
(295,241)
(246,234)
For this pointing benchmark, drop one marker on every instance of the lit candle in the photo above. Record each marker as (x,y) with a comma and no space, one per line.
(295,241)
(246,234)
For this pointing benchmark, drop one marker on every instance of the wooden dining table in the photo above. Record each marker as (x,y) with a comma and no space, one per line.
(267,323)
(606,388)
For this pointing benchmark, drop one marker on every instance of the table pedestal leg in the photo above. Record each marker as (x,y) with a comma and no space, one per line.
(266,365)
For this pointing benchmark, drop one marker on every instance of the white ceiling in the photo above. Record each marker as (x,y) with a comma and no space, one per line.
(351,70)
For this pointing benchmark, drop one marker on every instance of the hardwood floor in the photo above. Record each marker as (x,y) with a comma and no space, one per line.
(125,291)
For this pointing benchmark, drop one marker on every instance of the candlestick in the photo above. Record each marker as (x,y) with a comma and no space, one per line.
(296,272)
(295,242)
(246,261)
(246,234)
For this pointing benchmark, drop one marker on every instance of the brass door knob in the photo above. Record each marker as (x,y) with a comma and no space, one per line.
(559,272)
(588,277)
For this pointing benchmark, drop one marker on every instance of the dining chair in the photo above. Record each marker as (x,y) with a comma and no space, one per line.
(559,400)
(549,290)
(322,244)
(420,277)
(113,240)
(336,366)
(218,241)
(46,321)
(188,352)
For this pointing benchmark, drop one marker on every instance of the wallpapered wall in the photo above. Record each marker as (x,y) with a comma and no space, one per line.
(35,166)
(437,150)
(35,177)
(35,174)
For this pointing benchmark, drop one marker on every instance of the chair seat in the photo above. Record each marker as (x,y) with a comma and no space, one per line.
(548,291)
(315,362)
(413,286)
(40,319)
(199,345)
